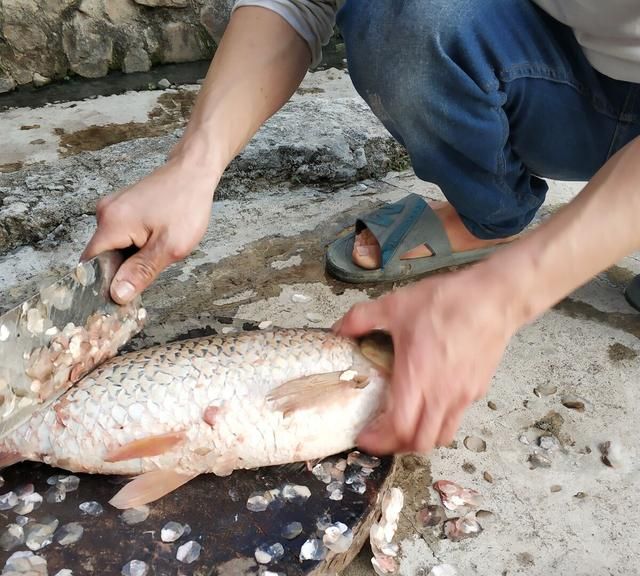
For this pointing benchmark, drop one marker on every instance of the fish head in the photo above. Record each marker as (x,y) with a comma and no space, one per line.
(377,348)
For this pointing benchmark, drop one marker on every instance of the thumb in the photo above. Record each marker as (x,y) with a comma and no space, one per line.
(139,271)
(362,319)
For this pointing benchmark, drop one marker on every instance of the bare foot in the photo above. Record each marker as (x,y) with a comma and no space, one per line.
(366,250)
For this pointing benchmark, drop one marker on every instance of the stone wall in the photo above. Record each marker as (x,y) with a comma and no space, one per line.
(43,40)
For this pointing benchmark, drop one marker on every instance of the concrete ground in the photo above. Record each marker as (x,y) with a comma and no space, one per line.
(265,242)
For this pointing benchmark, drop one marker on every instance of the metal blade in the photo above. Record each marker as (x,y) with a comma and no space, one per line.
(55,338)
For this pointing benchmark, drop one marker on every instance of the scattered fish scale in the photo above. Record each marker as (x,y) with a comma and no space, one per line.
(267,553)
(443,570)
(457,529)
(359,486)
(300,298)
(357,458)
(612,454)
(321,473)
(486,518)
(38,536)
(338,538)
(25,562)
(294,492)
(234,495)
(172,531)
(64,572)
(69,533)
(55,494)
(545,390)
(189,552)
(91,508)
(475,444)
(12,537)
(454,496)
(292,530)
(432,515)
(134,516)
(548,443)
(70,482)
(323,522)
(336,495)
(22,520)
(28,503)
(537,460)
(313,549)
(257,502)
(135,568)
(8,501)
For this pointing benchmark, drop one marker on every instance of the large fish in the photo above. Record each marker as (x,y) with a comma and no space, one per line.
(210,405)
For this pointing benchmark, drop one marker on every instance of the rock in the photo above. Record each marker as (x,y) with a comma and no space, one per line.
(214,17)
(7,84)
(39,80)
(164,84)
(182,43)
(88,45)
(136,60)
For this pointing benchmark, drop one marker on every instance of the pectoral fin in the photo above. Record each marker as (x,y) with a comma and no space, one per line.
(312,391)
(149,487)
(146,447)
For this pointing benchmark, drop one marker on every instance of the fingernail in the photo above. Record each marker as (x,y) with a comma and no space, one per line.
(364,250)
(124,291)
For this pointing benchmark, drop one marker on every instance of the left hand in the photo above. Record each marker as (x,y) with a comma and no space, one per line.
(449,334)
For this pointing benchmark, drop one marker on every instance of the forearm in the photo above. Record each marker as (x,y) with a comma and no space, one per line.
(257,67)
(600,226)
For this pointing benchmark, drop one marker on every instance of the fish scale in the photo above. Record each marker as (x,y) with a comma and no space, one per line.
(166,390)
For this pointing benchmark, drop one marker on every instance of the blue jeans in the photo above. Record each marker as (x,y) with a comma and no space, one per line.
(488,96)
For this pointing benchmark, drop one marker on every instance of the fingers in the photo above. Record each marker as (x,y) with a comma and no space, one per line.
(140,270)
(450,426)
(362,319)
(379,437)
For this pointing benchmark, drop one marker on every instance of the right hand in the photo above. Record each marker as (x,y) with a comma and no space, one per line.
(164,215)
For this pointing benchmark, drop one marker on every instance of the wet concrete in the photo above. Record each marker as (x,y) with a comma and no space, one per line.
(265,244)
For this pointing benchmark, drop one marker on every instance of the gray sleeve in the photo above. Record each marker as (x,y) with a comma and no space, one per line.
(312,19)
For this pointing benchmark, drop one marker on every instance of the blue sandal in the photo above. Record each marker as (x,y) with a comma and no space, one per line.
(632,293)
(399,227)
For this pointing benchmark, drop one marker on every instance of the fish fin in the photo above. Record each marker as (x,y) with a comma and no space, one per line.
(294,468)
(9,459)
(149,487)
(146,447)
(377,347)
(310,391)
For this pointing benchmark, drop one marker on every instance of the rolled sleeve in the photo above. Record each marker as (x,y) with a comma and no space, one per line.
(312,19)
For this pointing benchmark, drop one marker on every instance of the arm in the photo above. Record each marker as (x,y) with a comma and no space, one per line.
(450,331)
(259,64)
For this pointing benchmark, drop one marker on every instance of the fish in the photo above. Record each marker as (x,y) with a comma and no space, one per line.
(211,405)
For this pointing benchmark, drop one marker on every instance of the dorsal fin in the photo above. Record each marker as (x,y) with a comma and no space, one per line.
(146,447)
(149,487)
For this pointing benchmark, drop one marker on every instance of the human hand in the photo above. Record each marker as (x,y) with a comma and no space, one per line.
(164,215)
(449,333)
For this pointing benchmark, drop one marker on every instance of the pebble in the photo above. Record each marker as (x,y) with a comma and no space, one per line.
(292,530)
(69,534)
(580,495)
(313,549)
(548,443)
(91,508)
(612,454)
(488,477)
(432,515)
(189,552)
(265,324)
(475,444)
(314,317)
(134,516)
(12,537)
(492,405)
(555,488)
(135,568)
(172,531)
(539,461)
(523,439)
(545,390)
(300,298)
(573,403)
(164,84)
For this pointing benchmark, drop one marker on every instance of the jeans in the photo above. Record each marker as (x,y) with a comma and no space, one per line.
(488,97)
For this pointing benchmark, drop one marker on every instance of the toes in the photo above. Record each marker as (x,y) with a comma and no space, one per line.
(366,251)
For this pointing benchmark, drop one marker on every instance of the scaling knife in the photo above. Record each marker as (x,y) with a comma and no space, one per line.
(54,338)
